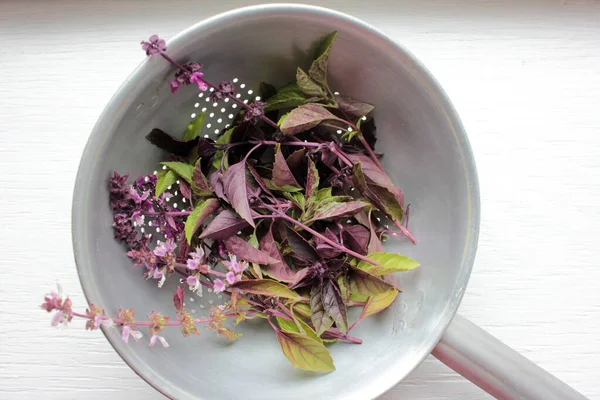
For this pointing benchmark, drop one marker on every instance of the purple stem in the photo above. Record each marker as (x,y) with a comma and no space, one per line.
(119,321)
(325,239)
(210,271)
(366,146)
(405,232)
(171,213)
(231,96)
(342,157)
(277,313)
(301,144)
(338,335)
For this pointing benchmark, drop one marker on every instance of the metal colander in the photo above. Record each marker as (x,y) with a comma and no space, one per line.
(426,153)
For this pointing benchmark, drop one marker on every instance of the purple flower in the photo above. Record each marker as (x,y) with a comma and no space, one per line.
(53,301)
(128,331)
(184,76)
(193,282)
(193,264)
(233,262)
(219,286)
(97,318)
(161,339)
(102,320)
(255,111)
(146,183)
(123,228)
(231,277)
(158,274)
(136,197)
(235,265)
(225,88)
(166,247)
(198,254)
(154,45)
(196,77)
(120,193)
(58,318)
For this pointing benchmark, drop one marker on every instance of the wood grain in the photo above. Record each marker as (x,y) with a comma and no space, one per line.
(524,76)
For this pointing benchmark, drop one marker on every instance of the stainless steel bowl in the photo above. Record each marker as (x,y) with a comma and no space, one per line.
(426,153)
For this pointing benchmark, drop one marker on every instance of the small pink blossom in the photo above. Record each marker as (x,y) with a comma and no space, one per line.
(197,78)
(166,247)
(193,282)
(154,45)
(235,265)
(156,338)
(231,277)
(219,286)
(157,274)
(128,331)
(52,301)
(198,254)
(193,264)
(58,318)
(102,320)
(232,263)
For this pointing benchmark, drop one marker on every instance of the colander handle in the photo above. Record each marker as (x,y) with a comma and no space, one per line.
(497,368)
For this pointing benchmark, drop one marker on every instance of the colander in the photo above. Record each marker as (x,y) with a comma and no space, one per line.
(426,153)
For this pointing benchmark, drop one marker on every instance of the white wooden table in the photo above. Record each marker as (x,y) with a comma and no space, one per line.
(524,76)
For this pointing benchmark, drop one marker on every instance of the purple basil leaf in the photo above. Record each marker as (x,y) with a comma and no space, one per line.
(358,178)
(391,279)
(266,91)
(203,210)
(312,181)
(171,144)
(235,189)
(279,270)
(385,201)
(362,282)
(363,219)
(223,226)
(318,69)
(319,318)
(183,246)
(245,251)
(206,147)
(356,238)
(379,177)
(369,131)
(305,117)
(338,210)
(282,175)
(295,160)
(324,249)
(200,185)
(185,189)
(375,245)
(216,181)
(300,246)
(260,181)
(302,278)
(352,108)
(308,86)
(334,305)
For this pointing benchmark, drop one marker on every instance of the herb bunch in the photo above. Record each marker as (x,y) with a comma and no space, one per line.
(287,218)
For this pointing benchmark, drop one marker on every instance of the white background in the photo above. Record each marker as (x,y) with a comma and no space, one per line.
(524,76)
